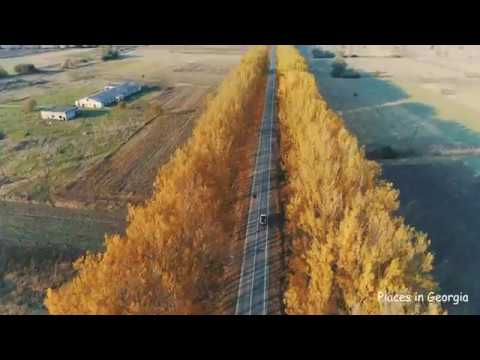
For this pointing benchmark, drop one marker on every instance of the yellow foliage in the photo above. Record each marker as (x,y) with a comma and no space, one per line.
(347,242)
(171,259)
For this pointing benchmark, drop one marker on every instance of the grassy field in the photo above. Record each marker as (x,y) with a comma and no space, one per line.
(32,145)
(437,137)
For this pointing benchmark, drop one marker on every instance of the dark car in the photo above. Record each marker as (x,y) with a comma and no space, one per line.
(263,219)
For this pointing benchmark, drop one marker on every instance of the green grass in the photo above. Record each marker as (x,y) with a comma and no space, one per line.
(65,146)
(63,97)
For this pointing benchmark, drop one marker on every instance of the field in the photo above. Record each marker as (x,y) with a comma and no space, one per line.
(177,78)
(423,106)
(37,246)
(66,184)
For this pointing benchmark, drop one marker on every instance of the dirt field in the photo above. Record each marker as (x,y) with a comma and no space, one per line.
(424,107)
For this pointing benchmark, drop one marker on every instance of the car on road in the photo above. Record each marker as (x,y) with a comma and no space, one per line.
(263,219)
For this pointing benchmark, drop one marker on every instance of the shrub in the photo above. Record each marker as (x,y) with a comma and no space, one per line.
(73,63)
(2,135)
(24,69)
(109,53)
(84,60)
(3,73)
(340,69)
(68,64)
(29,106)
(322,54)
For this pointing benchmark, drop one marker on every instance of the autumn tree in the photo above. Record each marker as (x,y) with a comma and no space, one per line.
(347,242)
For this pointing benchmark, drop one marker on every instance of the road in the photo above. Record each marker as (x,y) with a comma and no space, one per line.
(254,285)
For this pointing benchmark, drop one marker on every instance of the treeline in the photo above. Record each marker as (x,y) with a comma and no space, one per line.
(347,243)
(171,260)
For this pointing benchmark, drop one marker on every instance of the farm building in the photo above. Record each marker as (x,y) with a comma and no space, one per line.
(66,113)
(111,94)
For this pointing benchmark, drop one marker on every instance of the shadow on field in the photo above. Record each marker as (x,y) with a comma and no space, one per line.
(147,89)
(443,200)
(91,114)
(439,187)
(411,129)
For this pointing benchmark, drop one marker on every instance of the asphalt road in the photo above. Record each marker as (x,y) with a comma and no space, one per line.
(253,285)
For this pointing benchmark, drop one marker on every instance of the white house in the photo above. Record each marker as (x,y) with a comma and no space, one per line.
(65,114)
(111,94)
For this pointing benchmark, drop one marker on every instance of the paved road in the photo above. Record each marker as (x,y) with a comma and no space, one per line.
(253,285)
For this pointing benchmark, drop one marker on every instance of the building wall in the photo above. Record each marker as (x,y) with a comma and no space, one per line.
(89,104)
(57,115)
(51,115)
(71,114)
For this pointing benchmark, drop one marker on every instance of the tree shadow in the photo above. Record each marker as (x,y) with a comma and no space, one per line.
(129,55)
(411,129)
(147,89)
(44,71)
(443,200)
(91,114)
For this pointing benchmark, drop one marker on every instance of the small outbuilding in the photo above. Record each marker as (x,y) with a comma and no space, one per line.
(64,113)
